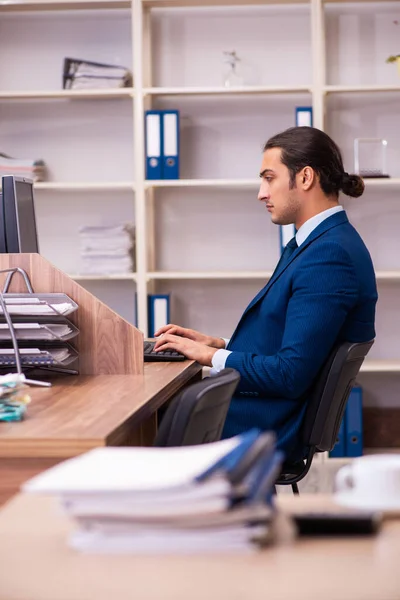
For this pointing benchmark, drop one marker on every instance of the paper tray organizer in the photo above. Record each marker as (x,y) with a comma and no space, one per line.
(42,311)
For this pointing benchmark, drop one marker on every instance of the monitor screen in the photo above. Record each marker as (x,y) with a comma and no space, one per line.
(3,242)
(19,215)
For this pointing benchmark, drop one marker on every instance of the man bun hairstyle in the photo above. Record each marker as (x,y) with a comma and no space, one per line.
(310,147)
(352,185)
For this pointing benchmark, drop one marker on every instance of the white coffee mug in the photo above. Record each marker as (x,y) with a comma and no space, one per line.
(374,477)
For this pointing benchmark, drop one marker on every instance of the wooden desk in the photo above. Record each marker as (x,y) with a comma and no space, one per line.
(37,564)
(80,413)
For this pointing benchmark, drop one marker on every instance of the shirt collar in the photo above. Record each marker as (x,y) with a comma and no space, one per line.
(309,226)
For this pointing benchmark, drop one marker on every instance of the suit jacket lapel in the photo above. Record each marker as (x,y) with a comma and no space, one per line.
(336,219)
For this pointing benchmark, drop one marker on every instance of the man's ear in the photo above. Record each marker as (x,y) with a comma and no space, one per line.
(307,178)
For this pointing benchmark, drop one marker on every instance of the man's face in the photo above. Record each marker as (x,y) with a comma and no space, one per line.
(282,202)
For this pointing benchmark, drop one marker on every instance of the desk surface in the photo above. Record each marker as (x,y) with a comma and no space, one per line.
(83,412)
(36,563)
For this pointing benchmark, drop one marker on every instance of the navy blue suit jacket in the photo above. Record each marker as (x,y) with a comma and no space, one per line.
(325,293)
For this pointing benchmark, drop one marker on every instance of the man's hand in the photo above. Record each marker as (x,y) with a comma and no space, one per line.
(193,350)
(191,334)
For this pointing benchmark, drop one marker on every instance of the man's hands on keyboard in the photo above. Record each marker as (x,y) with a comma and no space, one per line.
(191,334)
(169,355)
(173,337)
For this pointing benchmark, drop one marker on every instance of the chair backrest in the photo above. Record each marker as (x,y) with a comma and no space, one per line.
(330,394)
(197,415)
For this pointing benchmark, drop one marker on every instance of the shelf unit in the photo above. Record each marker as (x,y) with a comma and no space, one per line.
(148,91)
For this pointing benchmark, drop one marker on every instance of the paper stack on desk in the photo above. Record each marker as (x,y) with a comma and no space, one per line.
(207,498)
(107,249)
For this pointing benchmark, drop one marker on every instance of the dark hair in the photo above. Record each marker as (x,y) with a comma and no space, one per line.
(309,147)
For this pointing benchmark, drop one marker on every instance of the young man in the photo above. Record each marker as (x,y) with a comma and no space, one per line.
(323,291)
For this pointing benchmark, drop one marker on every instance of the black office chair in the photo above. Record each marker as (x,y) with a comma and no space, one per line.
(326,407)
(197,415)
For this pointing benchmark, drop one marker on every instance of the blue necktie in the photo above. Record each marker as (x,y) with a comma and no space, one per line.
(287,253)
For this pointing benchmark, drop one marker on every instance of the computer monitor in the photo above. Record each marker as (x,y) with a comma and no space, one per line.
(18,216)
(3,243)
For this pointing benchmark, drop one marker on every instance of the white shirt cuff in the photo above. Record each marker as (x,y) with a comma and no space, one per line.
(219,360)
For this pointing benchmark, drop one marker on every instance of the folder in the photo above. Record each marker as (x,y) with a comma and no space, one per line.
(286,233)
(158,312)
(153,132)
(304,116)
(85,74)
(339,449)
(170,136)
(354,423)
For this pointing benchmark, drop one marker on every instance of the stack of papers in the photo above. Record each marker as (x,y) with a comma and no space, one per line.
(20,167)
(37,356)
(82,74)
(107,250)
(34,307)
(207,498)
(35,331)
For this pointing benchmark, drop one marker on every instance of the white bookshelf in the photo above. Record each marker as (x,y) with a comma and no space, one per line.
(182,225)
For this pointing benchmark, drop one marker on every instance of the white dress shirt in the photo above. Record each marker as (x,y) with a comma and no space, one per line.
(219,358)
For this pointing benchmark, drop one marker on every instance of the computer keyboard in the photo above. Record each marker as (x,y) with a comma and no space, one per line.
(163,355)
